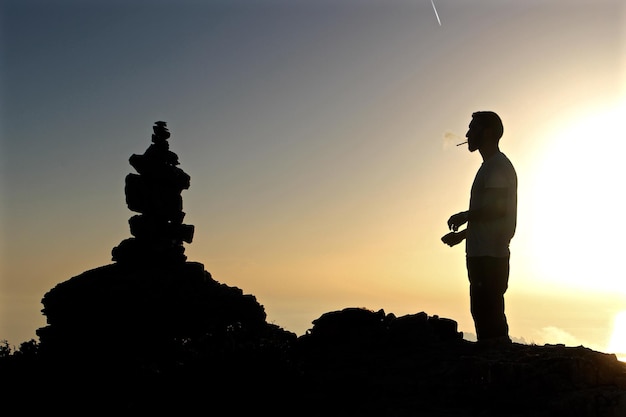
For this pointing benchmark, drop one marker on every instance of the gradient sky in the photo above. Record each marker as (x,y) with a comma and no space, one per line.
(320,139)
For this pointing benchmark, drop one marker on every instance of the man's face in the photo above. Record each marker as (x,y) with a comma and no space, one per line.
(474,136)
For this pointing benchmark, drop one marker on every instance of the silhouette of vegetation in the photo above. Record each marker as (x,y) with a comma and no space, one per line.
(5,349)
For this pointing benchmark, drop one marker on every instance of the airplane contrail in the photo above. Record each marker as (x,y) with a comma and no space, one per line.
(435,9)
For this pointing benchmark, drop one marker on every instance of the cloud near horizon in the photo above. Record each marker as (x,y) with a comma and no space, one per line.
(555,335)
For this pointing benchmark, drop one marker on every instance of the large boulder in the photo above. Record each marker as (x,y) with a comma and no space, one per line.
(152,312)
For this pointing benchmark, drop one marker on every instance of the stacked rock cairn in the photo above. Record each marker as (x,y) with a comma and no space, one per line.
(155,193)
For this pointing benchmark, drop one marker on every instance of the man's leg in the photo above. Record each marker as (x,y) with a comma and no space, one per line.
(488,278)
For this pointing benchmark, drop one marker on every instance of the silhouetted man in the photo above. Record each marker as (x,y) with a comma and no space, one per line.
(491,221)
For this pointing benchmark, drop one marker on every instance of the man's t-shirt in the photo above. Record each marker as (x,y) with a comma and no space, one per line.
(492,237)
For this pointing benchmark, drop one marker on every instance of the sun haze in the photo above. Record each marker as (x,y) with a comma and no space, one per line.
(312,132)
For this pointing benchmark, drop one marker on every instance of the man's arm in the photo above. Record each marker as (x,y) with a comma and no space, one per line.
(454,238)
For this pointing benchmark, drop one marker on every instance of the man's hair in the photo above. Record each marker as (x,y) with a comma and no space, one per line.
(491,120)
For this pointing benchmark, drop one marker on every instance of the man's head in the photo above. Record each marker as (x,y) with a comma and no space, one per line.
(485,129)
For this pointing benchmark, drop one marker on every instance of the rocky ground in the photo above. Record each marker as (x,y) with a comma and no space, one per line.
(176,341)
(460,378)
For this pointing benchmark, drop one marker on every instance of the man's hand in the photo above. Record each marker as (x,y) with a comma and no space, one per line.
(457,220)
(453,238)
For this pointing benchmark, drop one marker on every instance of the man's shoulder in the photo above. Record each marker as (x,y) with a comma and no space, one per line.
(499,172)
(501,160)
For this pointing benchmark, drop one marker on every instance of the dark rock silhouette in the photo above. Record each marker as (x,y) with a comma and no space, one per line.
(376,364)
(362,325)
(154,333)
(353,362)
(153,310)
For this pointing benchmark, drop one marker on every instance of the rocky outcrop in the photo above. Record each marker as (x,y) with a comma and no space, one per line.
(376,364)
(352,362)
(154,312)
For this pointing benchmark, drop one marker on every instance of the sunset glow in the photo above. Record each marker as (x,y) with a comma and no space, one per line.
(577,198)
(617,343)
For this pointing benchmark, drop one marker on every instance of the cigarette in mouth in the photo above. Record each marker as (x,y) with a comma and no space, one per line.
(462,143)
